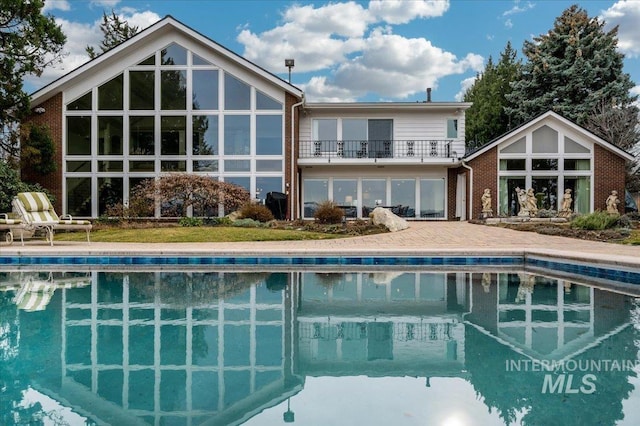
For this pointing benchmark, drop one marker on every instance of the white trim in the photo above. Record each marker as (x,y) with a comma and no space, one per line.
(528,127)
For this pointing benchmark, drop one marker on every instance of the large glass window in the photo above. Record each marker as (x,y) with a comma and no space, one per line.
(345,194)
(546,191)
(110,94)
(205,89)
(173,136)
(508,197)
(374,193)
(580,193)
(205,134)
(141,90)
(265,185)
(403,197)
(237,95)
(432,197)
(173,90)
(110,135)
(109,193)
(78,135)
(325,133)
(79,196)
(315,192)
(141,136)
(269,135)
(174,54)
(237,135)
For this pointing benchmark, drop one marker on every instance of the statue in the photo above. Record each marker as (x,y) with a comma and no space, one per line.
(487,211)
(532,202)
(522,200)
(612,202)
(565,210)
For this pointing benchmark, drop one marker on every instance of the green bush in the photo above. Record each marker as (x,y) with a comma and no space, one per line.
(10,185)
(256,211)
(595,221)
(247,223)
(328,213)
(190,221)
(218,221)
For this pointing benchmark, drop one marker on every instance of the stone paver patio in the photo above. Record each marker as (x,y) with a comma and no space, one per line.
(422,238)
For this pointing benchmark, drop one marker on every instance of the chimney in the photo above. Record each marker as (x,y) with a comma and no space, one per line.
(428,94)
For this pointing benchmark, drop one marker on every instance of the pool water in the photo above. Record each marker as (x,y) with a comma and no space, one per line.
(417,347)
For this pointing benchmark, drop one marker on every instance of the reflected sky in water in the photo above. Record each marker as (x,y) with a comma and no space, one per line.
(315,347)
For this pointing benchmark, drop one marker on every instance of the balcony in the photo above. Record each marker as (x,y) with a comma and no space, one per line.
(391,151)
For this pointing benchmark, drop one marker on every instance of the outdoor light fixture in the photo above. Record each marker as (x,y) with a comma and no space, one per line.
(39,110)
(289,63)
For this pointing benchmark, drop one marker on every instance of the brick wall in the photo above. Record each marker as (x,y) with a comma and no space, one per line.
(52,118)
(485,175)
(452,176)
(609,172)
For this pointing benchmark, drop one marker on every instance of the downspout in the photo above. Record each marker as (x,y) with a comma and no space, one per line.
(470,188)
(293,158)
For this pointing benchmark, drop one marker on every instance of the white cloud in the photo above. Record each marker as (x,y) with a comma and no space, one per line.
(402,11)
(79,35)
(105,3)
(359,49)
(508,23)
(517,8)
(50,5)
(464,86)
(626,15)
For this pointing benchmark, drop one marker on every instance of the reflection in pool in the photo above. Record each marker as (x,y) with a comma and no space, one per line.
(315,347)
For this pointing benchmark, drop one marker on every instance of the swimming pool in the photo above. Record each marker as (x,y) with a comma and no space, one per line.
(417,344)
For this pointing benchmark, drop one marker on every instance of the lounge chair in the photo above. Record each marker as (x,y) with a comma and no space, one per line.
(36,211)
(9,224)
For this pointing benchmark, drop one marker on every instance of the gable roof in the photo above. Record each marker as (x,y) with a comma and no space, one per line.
(168,23)
(545,117)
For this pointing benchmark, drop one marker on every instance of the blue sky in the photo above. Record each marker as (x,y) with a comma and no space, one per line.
(354,50)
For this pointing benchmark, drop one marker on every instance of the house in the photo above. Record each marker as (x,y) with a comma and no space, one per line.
(549,154)
(172,100)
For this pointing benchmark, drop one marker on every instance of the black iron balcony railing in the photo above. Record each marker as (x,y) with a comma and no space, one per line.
(408,149)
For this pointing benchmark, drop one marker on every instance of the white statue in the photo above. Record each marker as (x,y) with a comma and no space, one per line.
(565,210)
(532,202)
(521,194)
(612,202)
(487,211)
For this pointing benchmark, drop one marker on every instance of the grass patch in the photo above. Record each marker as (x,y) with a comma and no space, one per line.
(634,238)
(205,234)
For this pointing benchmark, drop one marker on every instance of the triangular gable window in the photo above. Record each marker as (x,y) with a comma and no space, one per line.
(545,140)
(518,147)
(151,60)
(266,102)
(197,60)
(174,54)
(83,103)
(573,147)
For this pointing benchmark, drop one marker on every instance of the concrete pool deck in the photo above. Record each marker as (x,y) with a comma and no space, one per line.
(421,239)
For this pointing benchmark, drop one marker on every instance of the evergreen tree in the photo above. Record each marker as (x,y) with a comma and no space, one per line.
(570,70)
(115,31)
(29,42)
(487,117)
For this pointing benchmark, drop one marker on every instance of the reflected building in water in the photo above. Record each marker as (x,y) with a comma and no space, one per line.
(220,347)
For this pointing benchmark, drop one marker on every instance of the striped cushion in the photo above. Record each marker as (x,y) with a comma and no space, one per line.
(10,221)
(73,222)
(35,201)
